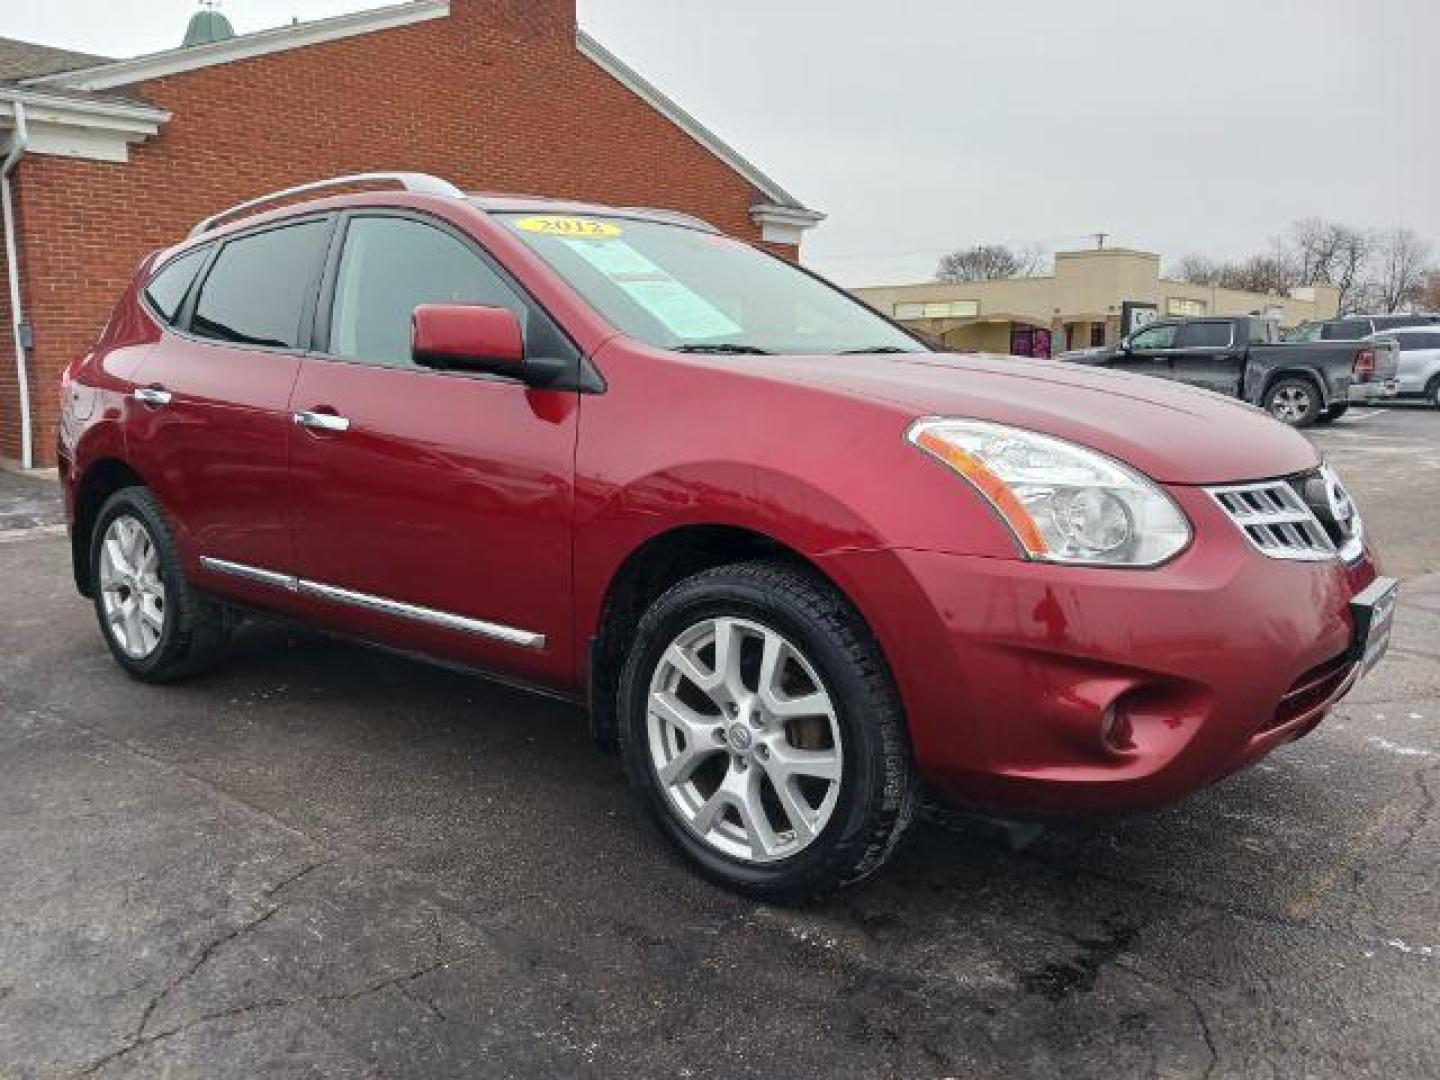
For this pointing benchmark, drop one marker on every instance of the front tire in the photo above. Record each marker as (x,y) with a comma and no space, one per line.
(1294,401)
(1432,393)
(157,626)
(762,733)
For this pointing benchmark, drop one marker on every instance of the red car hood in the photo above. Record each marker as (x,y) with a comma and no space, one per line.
(1173,433)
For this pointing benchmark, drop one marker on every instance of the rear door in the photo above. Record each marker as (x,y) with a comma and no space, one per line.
(432,509)
(1207,355)
(209,426)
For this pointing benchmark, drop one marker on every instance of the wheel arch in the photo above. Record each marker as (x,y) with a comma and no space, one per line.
(1308,374)
(101,479)
(644,574)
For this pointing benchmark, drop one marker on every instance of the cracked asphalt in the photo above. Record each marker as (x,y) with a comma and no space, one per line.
(322,861)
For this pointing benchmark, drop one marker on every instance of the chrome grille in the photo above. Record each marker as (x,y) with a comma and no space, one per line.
(1307,517)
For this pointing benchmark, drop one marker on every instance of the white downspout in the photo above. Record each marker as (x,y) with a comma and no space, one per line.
(18,141)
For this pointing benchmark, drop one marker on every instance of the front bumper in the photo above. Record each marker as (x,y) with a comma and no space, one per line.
(1013,672)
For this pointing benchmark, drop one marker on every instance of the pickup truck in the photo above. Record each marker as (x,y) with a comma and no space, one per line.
(1299,383)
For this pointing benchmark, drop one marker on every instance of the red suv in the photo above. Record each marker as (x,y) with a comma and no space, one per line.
(799,566)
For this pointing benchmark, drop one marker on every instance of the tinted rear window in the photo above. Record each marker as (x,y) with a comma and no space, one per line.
(167,289)
(255,293)
(1346,330)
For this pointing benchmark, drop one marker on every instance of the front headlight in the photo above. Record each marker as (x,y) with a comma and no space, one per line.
(1064,503)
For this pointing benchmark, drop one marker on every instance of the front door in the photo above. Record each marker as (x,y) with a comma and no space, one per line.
(432,509)
(1149,352)
(210,425)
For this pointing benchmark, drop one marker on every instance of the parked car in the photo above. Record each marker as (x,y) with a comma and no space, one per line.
(1419,370)
(1357,327)
(1298,383)
(795,564)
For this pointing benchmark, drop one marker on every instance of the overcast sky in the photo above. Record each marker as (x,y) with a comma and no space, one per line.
(920,125)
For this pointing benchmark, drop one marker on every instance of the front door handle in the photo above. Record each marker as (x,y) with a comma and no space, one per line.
(319,421)
(153,396)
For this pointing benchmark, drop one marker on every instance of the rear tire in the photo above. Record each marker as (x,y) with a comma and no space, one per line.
(157,626)
(1293,401)
(782,785)
(1333,413)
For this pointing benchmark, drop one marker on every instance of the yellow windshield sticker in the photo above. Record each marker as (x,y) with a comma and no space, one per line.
(556,225)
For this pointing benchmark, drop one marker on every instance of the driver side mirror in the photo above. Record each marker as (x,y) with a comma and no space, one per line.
(467,337)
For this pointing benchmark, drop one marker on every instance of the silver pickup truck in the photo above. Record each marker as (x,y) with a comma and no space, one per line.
(1299,383)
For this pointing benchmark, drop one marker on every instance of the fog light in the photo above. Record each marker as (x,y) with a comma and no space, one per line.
(1115,730)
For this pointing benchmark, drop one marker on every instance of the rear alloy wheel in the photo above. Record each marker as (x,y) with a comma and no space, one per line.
(762,732)
(157,626)
(1294,401)
(132,596)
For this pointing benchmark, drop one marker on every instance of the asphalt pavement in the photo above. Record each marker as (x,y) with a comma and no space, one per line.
(323,861)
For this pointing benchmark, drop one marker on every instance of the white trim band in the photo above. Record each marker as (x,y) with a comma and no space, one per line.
(244,47)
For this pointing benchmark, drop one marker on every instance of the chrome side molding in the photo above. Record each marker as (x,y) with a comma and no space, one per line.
(251,573)
(525,639)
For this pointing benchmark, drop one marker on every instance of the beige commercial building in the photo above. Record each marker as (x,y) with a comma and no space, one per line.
(1092,298)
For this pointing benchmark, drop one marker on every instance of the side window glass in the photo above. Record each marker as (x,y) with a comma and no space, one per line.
(1154,337)
(255,292)
(1205,335)
(167,289)
(392,265)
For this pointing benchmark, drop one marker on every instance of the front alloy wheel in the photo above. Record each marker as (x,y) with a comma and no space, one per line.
(744,739)
(762,732)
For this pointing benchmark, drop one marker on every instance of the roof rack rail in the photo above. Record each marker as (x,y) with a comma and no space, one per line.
(418,183)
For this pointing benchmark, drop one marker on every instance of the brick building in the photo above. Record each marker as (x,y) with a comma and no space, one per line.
(109,159)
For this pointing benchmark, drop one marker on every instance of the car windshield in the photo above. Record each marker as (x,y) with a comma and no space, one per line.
(686,289)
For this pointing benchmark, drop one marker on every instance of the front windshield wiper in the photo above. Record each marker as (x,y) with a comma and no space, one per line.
(875,349)
(724,348)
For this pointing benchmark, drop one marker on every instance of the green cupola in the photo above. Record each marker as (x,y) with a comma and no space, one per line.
(206,26)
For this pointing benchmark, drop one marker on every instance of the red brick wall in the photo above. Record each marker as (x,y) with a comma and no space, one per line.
(495,97)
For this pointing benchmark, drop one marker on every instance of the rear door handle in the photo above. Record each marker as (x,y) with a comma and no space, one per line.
(319,421)
(153,396)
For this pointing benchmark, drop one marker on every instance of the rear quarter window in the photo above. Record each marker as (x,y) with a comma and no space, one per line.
(168,288)
(255,291)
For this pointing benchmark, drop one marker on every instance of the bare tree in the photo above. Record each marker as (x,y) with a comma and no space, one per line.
(1196,269)
(1259,273)
(1369,270)
(1402,261)
(1328,253)
(987,262)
